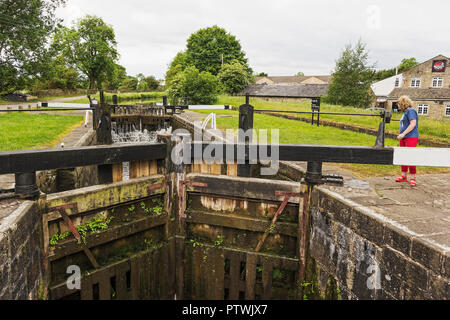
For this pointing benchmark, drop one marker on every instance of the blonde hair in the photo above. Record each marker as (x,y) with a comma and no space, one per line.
(404,102)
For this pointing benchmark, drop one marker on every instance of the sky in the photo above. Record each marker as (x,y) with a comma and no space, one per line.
(279,37)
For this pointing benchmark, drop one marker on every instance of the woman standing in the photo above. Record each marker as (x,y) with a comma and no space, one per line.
(409,135)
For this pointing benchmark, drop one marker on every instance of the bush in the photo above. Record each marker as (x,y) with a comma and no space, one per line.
(193,87)
(233,77)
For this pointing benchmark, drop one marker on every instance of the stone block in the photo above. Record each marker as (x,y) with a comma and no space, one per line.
(336,208)
(401,266)
(322,221)
(445,269)
(391,285)
(18,266)
(20,232)
(4,276)
(361,287)
(367,226)
(397,239)
(4,248)
(427,254)
(439,288)
(19,290)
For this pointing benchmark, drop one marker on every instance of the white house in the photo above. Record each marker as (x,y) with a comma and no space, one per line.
(383,88)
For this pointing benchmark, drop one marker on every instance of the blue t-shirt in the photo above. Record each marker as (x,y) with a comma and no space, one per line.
(410,114)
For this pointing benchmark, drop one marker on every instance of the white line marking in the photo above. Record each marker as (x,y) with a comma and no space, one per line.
(206,107)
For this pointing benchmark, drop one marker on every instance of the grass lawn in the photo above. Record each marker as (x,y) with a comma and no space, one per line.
(3,102)
(437,130)
(20,131)
(126,97)
(297,132)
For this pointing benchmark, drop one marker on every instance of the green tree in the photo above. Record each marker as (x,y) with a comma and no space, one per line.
(210,48)
(60,75)
(146,83)
(115,78)
(152,83)
(407,64)
(350,84)
(262,74)
(193,87)
(177,65)
(90,45)
(129,84)
(299,74)
(404,65)
(25,26)
(233,77)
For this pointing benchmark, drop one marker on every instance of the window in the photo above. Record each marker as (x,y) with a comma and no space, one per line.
(437,82)
(415,82)
(422,109)
(447,111)
(397,82)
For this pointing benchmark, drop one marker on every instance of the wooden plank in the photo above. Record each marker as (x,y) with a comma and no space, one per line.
(155,274)
(235,264)
(241,222)
(110,234)
(134,169)
(303,239)
(250,276)
(46,235)
(163,273)
(232,169)
(145,168)
(179,266)
(121,281)
(204,168)
(70,157)
(171,268)
(97,197)
(117,172)
(196,168)
(267,270)
(244,187)
(104,284)
(135,269)
(304,152)
(86,288)
(153,167)
(219,263)
(216,168)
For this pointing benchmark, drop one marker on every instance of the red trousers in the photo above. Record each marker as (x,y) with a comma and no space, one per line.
(409,142)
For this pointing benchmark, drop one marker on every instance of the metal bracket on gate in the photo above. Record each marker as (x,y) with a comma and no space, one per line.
(62,211)
(287,196)
(181,185)
(155,186)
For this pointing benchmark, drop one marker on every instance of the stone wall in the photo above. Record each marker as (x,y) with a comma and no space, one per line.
(424,72)
(436,109)
(370,257)
(21,270)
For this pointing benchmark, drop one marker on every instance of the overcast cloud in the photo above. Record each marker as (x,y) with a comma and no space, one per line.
(279,37)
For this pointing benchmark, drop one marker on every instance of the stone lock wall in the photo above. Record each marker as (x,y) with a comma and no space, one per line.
(369,257)
(20,254)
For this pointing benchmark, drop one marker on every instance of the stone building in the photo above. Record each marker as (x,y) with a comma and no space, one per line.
(286,92)
(428,85)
